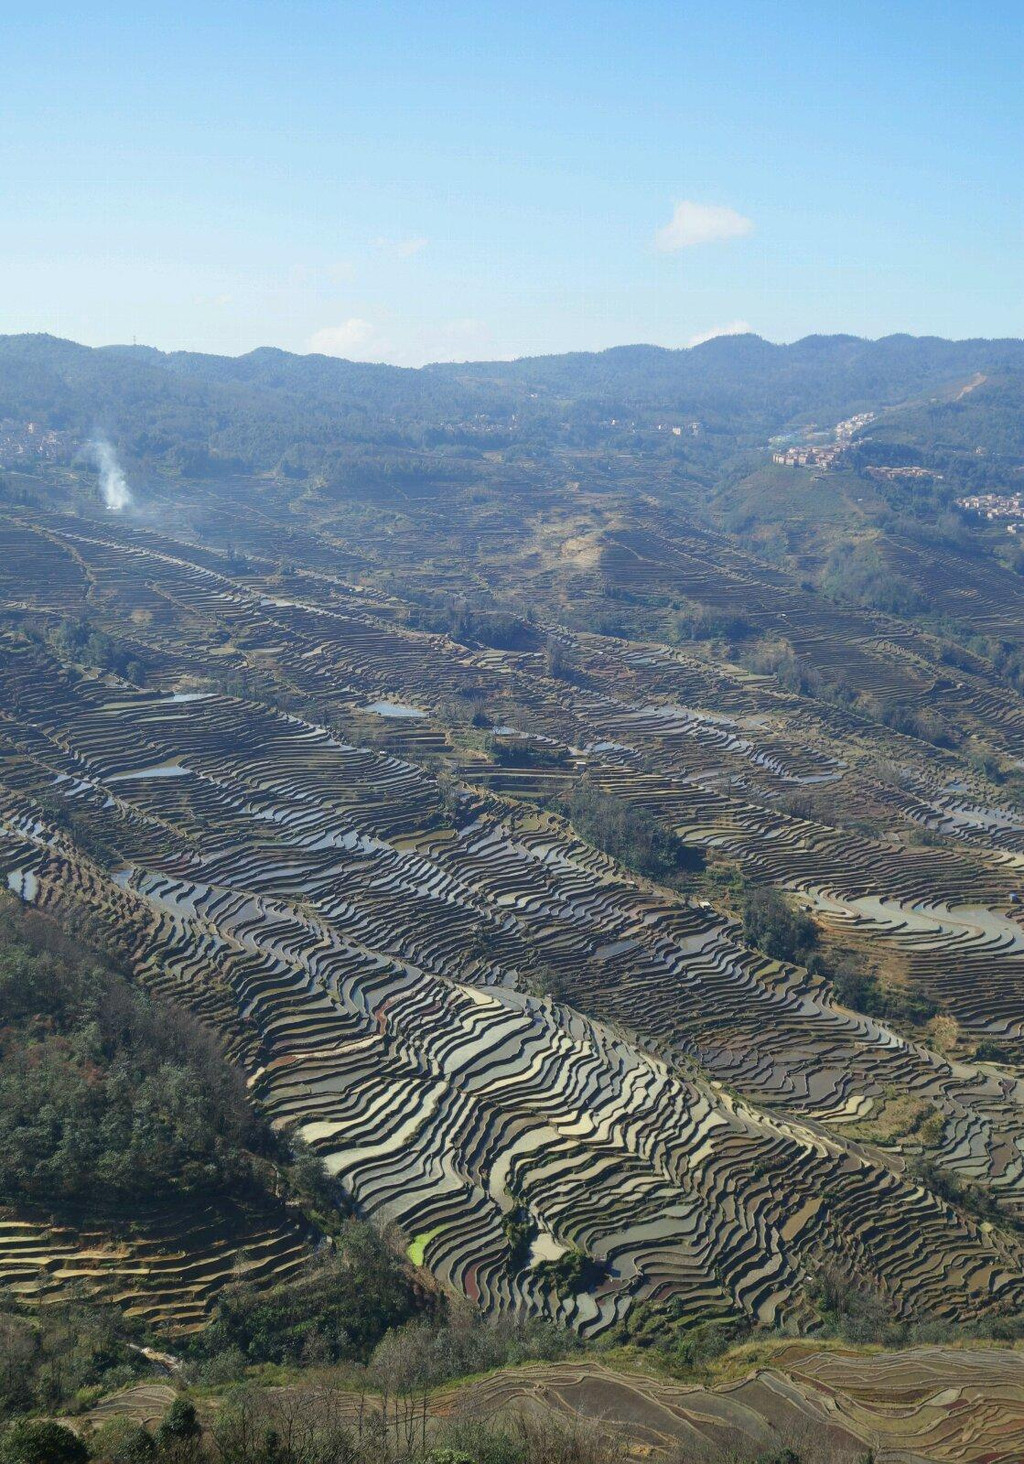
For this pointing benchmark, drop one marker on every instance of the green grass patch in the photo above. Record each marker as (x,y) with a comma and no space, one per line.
(418,1246)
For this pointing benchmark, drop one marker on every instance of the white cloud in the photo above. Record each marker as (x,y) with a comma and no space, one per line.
(404,342)
(700,223)
(347,339)
(321,276)
(735,327)
(402,248)
(459,335)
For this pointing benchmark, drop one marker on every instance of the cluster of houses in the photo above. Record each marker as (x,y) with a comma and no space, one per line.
(807,456)
(22,442)
(997,506)
(826,454)
(844,430)
(693,428)
(896,475)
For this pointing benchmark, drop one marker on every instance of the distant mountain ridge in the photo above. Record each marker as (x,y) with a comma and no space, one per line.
(743,352)
(256,407)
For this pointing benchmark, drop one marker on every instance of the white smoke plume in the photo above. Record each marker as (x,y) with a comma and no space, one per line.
(113,485)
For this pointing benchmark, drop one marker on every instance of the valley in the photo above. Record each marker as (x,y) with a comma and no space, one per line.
(449,828)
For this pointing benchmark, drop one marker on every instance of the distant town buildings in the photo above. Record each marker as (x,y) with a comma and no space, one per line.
(844,430)
(894,475)
(806,456)
(693,428)
(826,451)
(997,506)
(22,442)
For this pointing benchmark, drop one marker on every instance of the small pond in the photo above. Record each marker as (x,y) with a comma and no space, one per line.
(394,709)
(161,770)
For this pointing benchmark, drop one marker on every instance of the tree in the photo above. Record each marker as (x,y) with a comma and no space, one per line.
(180,1424)
(556,661)
(41,1441)
(123,1441)
(345,1305)
(772,926)
(630,834)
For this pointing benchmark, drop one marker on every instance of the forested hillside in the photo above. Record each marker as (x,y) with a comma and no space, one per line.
(254,412)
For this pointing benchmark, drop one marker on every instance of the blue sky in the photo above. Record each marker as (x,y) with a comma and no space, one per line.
(412,182)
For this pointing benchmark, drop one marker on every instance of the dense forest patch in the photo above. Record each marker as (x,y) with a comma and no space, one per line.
(108,1098)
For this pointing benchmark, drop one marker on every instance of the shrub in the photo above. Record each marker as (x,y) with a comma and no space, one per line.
(420,1356)
(178,1424)
(858,574)
(520,1229)
(339,1309)
(860,989)
(630,834)
(62,1352)
(572,1272)
(123,1441)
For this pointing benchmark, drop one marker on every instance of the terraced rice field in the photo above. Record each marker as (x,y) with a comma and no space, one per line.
(164,1269)
(927,1405)
(368,938)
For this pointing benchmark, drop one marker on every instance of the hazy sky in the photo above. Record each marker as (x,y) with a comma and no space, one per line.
(414,182)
